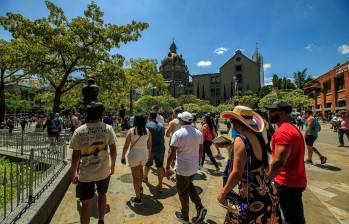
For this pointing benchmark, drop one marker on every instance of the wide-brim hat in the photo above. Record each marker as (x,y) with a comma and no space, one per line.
(246,116)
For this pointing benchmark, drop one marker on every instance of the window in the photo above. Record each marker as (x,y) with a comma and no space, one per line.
(340,82)
(238,59)
(238,77)
(238,68)
(318,106)
(328,105)
(327,86)
(341,103)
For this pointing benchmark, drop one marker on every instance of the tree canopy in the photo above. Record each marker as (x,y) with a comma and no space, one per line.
(64,52)
(12,68)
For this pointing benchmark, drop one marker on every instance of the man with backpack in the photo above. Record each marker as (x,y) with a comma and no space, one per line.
(310,136)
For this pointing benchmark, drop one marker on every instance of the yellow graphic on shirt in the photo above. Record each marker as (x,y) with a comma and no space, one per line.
(93,149)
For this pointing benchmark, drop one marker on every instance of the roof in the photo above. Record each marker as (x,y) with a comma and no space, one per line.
(207,74)
(336,67)
(238,52)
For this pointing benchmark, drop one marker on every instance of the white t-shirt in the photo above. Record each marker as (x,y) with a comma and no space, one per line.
(187,140)
(92,140)
(160,119)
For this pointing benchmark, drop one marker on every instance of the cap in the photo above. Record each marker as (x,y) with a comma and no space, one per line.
(280,105)
(186,116)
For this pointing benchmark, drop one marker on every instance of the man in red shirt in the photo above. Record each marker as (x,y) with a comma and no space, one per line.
(287,166)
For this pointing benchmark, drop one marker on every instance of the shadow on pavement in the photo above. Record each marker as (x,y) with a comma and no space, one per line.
(200,176)
(209,221)
(94,209)
(214,173)
(126,178)
(149,207)
(328,167)
(166,192)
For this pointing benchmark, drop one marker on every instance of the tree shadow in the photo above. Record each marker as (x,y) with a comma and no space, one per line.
(210,221)
(214,173)
(126,178)
(200,176)
(328,167)
(166,192)
(94,208)
(149,207)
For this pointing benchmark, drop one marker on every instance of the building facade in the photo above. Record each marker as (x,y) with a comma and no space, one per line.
(237,76)
(176,73)
(330,91)
(207,87)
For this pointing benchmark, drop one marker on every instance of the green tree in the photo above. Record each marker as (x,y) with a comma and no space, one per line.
(249,100)
(15,103)
(300,78)
(225,107)
(165,103)
(185,99)
(265,90)
(140,73)
(64,52)
(12,69)
(295,98)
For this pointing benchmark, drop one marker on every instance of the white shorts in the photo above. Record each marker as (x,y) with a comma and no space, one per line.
(137,157)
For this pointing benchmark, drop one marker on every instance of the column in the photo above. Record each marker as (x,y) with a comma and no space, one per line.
(333,93)
(346,86)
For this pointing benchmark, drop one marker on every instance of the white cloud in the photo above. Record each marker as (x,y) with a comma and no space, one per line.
(204,64)
(266,67)
(220,50)
(268,80)
(343,49)
(240,49)
(311,47)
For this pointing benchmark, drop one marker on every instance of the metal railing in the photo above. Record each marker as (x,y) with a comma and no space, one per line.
(30,162)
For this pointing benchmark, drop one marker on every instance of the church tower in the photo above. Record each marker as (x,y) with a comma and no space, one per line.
(175,72)
(258,58)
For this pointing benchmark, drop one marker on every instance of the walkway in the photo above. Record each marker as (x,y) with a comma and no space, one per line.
(325,200)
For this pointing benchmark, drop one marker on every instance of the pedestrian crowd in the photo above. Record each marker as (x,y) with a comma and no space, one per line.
(257,188)
(268,186)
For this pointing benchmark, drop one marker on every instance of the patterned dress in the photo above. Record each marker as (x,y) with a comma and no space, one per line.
(263,196)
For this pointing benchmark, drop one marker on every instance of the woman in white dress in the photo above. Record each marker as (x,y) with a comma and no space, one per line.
(139,143)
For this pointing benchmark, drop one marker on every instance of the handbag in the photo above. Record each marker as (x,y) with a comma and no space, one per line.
(234,203)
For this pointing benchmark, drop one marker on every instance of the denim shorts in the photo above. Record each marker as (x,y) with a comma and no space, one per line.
(158,157)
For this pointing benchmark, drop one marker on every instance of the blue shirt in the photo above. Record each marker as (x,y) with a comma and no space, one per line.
(158,136)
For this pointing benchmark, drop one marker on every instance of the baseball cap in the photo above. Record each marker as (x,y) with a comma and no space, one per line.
(186,116)
(280,105)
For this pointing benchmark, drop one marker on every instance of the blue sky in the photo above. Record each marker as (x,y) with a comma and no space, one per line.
(292,34)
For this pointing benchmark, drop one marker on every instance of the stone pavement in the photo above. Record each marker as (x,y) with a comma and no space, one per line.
(325,200)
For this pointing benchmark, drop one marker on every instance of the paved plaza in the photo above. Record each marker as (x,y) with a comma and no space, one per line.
(325,200)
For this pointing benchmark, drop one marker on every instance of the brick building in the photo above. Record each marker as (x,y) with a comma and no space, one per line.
(330,91)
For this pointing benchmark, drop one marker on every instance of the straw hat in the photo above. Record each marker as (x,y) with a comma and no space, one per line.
(246,116)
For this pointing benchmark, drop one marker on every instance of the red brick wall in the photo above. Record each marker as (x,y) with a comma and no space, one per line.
(333,95)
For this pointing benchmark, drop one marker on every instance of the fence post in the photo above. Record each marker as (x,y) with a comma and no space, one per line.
(22,142)
(4,183)
(64,151)
(31,170)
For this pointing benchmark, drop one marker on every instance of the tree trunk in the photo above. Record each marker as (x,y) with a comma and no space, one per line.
(57,101)
(131,102)
(2,99)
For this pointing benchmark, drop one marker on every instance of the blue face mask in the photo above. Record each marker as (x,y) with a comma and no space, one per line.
(234,133)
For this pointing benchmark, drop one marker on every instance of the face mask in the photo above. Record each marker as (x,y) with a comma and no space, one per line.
(275,118)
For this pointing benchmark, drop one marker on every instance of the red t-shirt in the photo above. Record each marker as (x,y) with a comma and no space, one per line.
(293,173)
(207,133)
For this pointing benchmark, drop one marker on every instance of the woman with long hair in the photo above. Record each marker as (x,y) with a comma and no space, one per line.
(139,143)
(208,133)
(257,200)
